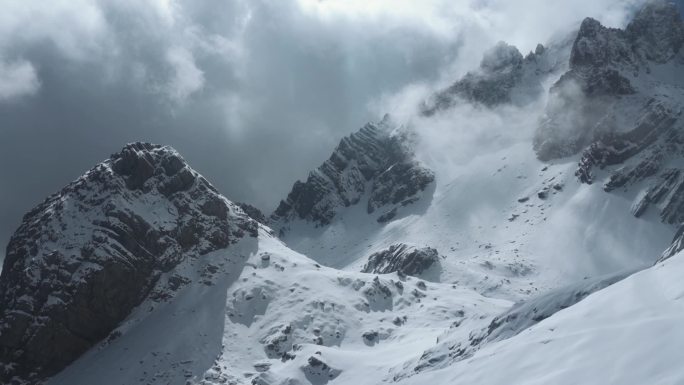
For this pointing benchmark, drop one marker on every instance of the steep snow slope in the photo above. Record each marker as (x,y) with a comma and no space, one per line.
(622,103)
(86,256)
(508,224)
(269,314)
(505,77)
(628,333)
(504,223)
(373,168)
(491,225)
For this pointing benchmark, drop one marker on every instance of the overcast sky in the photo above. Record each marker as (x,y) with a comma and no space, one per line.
(253,93)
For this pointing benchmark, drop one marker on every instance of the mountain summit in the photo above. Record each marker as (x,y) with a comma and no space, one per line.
(374,166)
(612,73)
(501,242)
(85,257)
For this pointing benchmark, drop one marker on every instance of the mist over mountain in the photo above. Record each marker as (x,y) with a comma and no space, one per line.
(342,192)
(223,81)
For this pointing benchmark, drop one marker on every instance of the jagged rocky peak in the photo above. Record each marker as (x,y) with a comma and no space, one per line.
(655,34)
(502,57)
(85,257)
(621,105)
(598,45)
(611,73)
(374,165)
(515,320)
(253,212)
(503,77)
(657,31)
(403,259)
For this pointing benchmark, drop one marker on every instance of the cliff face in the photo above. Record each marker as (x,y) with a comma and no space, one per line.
(617,79)
(372,165)
(85,257)
(505,76)
(620,105)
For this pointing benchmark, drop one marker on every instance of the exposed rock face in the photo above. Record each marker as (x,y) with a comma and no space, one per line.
(86,256)
(399,185)
(611,74)
(504,76)
(676,246)
(253,212)
(622,102)
(405,259)
(371,164)
(319,372)
(655,135)
(657,31)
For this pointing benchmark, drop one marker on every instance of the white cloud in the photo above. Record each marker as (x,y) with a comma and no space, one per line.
(17,79)
(187,78)
(74,27)
(277,80)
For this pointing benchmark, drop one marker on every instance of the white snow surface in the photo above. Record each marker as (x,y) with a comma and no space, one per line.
(508,229)
(217,332)
(260,312)
(489,241)
(628,333)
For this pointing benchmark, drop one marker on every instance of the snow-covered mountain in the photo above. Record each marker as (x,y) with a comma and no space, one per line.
(512,231)
(622,102)
(504,76)
(374,167)
(83,259)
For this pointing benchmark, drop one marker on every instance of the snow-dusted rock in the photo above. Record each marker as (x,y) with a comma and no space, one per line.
(399,185)
(653,137)
(253,212)
(86,256)
(373,164)
(621,105)
(612,72)
(504,76)
(259,312)
(657,31)
(402,258)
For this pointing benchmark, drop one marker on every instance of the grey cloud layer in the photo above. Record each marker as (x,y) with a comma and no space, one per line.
(253,93)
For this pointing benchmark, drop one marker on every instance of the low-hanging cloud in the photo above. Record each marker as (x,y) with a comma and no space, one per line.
(253,93)
(17,79)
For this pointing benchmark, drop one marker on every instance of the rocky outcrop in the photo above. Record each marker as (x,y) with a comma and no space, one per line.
(372,164)
(253,212)
(318,371)
(676,246)
(621,105)
(655,135)
(657,31)
(398,186)
(504,77)
(85,257)
(611,74)
(402,258)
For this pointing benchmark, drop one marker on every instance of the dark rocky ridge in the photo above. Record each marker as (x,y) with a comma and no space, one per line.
(85,257)
(370,164)
(504,77)
(253,212)
(624,114)
(402,258)
(606,66)
(656,134)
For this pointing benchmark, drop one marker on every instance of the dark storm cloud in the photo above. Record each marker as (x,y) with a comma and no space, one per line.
(252,93)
